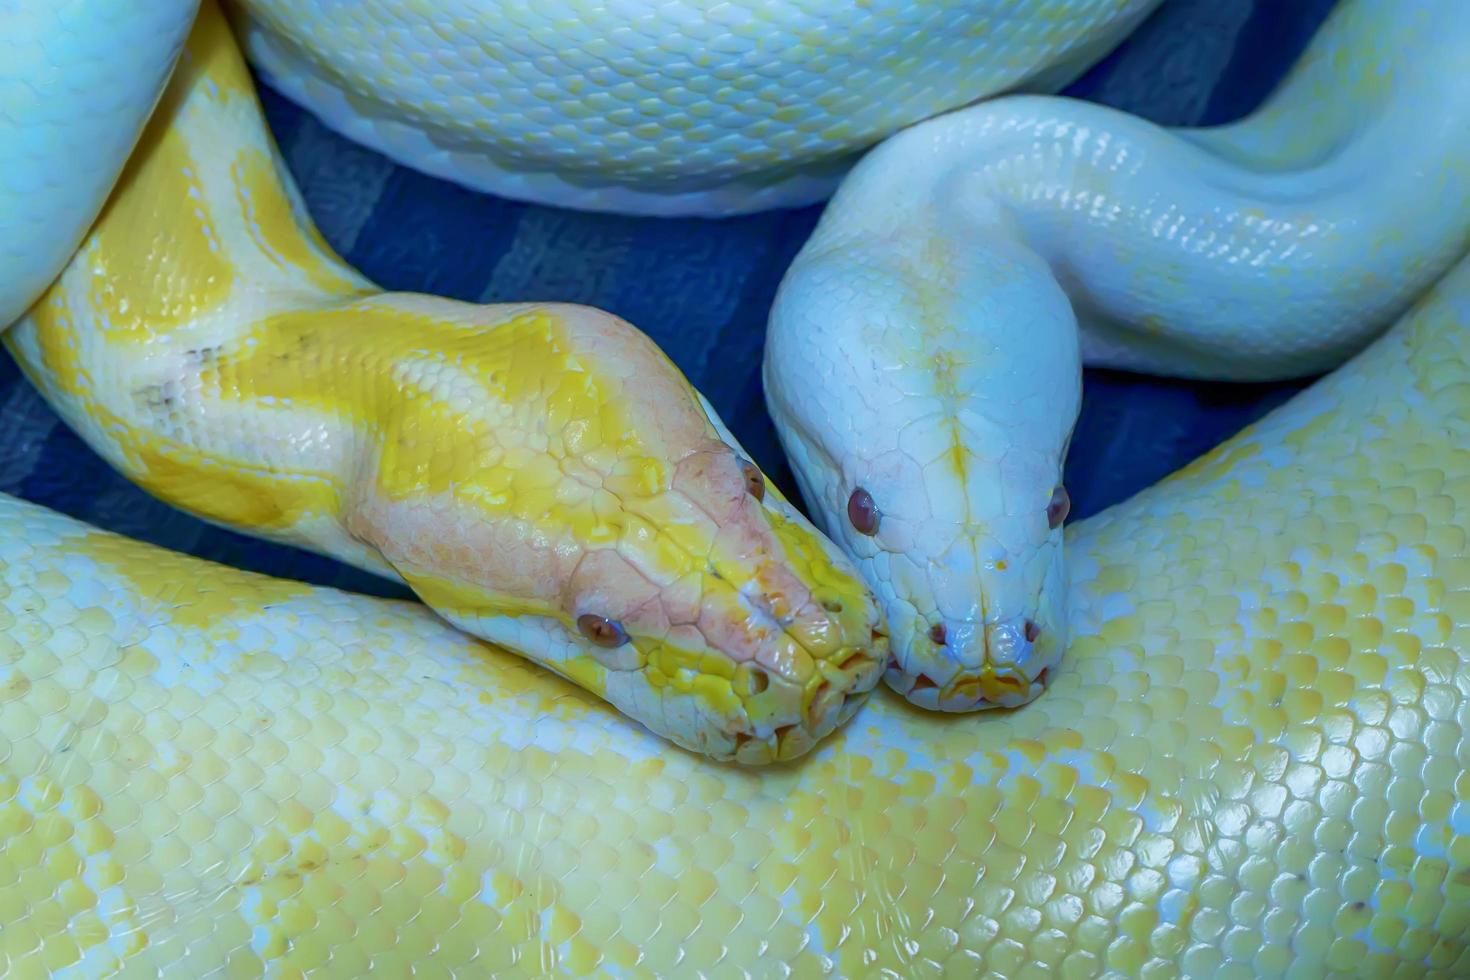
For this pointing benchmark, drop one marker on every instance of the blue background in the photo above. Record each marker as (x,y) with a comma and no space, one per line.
(701,289)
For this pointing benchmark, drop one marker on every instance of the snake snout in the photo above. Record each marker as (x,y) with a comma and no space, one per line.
(974,666)
(826,654)
(784,720)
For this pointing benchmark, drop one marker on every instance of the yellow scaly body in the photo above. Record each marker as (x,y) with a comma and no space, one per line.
(1251,762)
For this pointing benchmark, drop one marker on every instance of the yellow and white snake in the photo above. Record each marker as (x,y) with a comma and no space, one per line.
(1250,762)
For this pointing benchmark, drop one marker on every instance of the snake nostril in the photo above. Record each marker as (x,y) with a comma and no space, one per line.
(755,482)
(752,680)
(832,605)
(938,634)
(1058,507)
(1031,631)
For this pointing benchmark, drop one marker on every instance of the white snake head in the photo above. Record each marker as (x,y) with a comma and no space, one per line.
(558,487)
(926,404)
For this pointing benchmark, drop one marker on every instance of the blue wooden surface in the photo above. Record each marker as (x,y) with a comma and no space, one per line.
(700,288)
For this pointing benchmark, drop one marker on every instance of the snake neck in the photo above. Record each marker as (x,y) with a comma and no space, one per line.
(1143,227)
(174,342)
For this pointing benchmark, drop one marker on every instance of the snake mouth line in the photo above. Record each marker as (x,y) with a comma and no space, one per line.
(970,691)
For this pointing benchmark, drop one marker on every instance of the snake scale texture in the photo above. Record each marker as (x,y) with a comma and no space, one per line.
(668,107)
(1250,760)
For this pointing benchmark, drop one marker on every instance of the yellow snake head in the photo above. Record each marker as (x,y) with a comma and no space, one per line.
(541,475)
(548,480)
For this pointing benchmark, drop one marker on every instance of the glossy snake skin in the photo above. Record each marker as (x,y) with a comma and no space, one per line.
(540,474)
(662,107)
(58,164)
(924,349)
(1251,761)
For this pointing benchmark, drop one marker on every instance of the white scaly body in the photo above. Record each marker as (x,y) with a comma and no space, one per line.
(674,107)
(1251,762)
(104,63)
(924,345)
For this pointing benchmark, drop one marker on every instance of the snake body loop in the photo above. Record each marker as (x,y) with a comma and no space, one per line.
(678,107)
(943,291)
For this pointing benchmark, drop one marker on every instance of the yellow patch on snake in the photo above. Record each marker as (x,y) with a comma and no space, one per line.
(836,590)
(228,491)
(293,244)
(1218,462)
(709,677)
(554,416)
(155,303)
(217,488)
(172,584)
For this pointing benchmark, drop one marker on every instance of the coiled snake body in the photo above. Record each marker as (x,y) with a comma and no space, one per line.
(679,107)
(1251,761)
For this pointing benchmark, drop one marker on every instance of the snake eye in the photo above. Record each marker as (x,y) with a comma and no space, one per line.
(862,512)
(601,630)
(755,483)
(1058,507)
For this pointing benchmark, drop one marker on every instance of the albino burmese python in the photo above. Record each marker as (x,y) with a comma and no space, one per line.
(923,352)
(1251,760)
